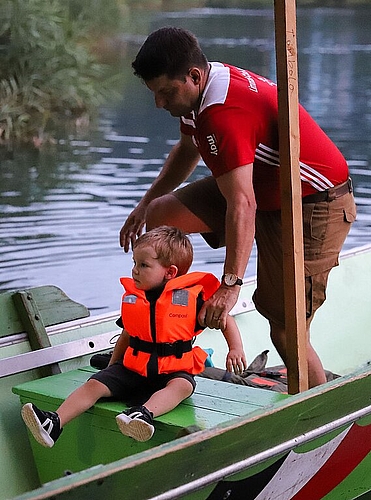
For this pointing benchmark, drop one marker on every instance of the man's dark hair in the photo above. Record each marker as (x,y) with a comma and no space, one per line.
(168,51)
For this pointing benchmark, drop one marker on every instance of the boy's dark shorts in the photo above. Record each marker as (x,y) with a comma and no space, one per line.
(126,385)
(325,227)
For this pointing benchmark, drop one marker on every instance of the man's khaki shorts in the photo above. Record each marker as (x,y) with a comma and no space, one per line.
(325,227)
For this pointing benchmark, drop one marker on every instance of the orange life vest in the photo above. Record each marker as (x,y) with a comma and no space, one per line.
(167,329)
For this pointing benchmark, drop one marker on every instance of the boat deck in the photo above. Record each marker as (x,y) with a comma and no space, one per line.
(93,438)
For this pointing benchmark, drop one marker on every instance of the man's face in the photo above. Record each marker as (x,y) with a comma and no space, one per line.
(178,97)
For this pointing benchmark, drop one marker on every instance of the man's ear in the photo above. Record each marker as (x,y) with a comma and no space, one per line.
(195,75)
(171,272)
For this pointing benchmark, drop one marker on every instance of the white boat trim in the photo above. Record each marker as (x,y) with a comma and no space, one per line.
(56,354)
(242,465)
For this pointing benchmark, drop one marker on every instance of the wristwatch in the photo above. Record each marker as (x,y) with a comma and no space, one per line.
(230,279)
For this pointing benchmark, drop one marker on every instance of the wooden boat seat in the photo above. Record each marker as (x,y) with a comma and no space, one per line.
(47,328)
(35,308)
(93,438)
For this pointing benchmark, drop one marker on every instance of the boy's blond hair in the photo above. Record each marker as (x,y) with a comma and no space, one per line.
(172,246)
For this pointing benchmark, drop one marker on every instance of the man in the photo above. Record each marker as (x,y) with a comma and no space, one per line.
(228,116)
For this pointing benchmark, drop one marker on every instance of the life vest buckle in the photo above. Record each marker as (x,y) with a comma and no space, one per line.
(178,348)
(162,349)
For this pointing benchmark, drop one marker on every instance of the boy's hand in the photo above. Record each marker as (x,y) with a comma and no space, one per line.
(236,361)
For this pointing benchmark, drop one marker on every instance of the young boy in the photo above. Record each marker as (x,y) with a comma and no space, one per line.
(154,361)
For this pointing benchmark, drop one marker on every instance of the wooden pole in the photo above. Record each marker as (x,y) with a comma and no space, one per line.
(292,225)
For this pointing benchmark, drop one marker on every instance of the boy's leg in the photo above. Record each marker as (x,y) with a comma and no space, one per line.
(169,397)
(46,427)
(81,400)
(137,422)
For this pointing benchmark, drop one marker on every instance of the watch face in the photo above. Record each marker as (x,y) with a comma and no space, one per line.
(230,279)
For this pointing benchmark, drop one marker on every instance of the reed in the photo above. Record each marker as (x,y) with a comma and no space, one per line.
(47,71)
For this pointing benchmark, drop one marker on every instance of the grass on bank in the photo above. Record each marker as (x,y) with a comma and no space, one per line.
(47,71)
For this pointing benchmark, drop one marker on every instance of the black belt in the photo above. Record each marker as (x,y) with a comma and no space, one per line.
(161,348)
(330,194)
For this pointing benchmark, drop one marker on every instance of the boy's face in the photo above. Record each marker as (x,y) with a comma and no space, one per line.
(147,271)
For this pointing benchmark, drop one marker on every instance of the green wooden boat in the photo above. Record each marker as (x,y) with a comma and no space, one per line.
(227,441)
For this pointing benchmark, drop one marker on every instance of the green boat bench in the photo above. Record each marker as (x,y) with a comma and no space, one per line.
(94,438)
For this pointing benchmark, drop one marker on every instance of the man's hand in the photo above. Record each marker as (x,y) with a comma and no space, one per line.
(180,163)
(133,227)
(215,311)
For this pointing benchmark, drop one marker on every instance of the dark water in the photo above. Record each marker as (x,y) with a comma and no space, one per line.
(62,208)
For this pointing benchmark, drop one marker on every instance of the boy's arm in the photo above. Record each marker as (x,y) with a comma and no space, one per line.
(236,359)
(120,347)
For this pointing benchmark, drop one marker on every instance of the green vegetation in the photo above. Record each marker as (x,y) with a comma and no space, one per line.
(242,4)
(46,69)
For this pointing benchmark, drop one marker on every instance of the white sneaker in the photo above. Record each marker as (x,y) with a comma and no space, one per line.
(44,425)
(136,422)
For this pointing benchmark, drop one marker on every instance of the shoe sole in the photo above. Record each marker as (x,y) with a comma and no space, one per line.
(33,424)
(134,428)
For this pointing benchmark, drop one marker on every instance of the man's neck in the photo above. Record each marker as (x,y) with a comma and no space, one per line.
(204,79)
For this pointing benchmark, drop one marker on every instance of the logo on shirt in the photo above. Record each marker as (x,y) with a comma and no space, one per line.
(250,79)
(265,80)
(178,315)
(211,139)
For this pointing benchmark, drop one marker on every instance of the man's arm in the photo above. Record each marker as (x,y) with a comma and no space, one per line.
(237,188)
(178,166)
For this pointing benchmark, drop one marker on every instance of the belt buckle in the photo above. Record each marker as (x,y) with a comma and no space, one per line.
(162,349)
(178,348)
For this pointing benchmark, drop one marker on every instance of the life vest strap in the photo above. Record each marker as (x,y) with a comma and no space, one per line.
(162,349)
